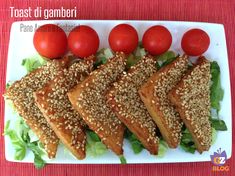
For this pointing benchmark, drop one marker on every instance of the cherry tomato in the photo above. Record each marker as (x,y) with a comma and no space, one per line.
(195,42)
(50,41)
(157,40)
(123,37)
(83,41)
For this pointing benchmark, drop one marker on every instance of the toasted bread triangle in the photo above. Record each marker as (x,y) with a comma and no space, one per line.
(125,102)
(21,94)
(192,100)
(88,98)
(53,101)
(154,95)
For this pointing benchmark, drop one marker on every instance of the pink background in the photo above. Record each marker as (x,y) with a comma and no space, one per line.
(215,11)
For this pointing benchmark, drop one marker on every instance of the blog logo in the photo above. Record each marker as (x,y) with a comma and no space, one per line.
(219,159)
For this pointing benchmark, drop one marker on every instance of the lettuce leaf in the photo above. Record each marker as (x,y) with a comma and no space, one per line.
(218,124)
(217,92)
(122,159)
(94,146)
(136,145)
(33,62)
(94,137)
(216,96)
(18,144)
(21,142)
(8,84)
(131,60)
(134,57)
(105,53)
(165,58)
(102,57)
(108,53)
(214,136)
(163,147)
(186,142)
(38,161)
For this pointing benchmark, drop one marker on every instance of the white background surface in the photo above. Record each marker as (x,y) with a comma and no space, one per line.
(21,46)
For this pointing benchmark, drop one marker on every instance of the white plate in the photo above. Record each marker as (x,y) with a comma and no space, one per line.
(21,46)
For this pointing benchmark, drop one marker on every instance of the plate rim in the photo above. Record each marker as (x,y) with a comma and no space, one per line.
(121,21)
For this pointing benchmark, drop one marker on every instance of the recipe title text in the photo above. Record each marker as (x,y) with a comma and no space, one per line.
(39,12)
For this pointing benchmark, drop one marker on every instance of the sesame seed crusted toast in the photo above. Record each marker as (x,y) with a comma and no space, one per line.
(53,102)
(21,95)
(154,95)
(125,102)
(192,100)
(88,98)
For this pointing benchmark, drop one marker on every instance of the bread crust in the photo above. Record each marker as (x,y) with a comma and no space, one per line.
(196,117)
(21,95)
(88,98)
(53,102)
(125,102)
(154,95)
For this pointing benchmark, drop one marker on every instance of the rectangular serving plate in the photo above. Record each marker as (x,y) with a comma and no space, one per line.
(21,46)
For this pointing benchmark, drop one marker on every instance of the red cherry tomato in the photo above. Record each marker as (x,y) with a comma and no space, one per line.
(123,37)
(157,40)
(50,41)
(83,41)
(195,42)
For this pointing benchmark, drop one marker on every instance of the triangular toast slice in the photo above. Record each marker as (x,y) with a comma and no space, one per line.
(53,102)
(192,100)
(21,94)
(88,98)
(125,102)
(154,95)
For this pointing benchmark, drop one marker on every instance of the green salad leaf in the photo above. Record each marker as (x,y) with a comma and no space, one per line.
(134,57)
(214,135)
(21,141)
(99,61)
(216,90)
(38,161)
(136,145)
(102,56)
(216,96)
(8,85)
(38,153)
(94,146)
(108,53)
(94,137)
(33,62)
(218,124)
(32,136)
(105,53)
(18,144)
(186,142)
(165,58)
(33,146)
(22,129)
(122,159)
(131,60)
(163,147)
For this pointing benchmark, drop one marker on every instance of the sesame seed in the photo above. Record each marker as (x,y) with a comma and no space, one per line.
(195,101)
(63,115)
(125,95)
(167,78)
(92,100)
(21,94)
